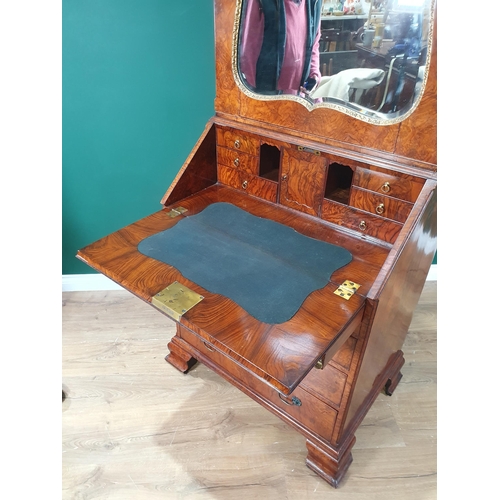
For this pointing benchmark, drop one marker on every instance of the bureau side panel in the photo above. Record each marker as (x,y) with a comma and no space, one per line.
(397,300)
(199,170)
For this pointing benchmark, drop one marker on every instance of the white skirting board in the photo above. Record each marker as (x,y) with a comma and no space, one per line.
(87,283)
(94,282)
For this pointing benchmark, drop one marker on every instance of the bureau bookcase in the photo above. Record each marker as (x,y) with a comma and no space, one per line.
(366,187)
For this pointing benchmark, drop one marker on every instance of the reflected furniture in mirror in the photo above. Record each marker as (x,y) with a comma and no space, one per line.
(269,186)
(342,41)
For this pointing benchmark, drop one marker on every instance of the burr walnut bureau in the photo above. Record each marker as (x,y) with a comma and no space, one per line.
(294,243)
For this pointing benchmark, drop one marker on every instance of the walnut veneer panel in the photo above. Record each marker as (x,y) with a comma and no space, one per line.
(322,124)
(418,134)
(303,177)
(226,94)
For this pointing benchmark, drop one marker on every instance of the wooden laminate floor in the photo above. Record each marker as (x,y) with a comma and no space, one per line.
(133,427)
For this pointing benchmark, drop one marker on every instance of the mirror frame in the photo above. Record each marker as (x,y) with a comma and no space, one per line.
(351,109)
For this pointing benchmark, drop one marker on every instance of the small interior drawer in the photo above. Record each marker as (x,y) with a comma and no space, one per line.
(378,204)
(260,187)
(386,184)
(239,141)
(229,176)
(237,159)
(363,222)
(251,184)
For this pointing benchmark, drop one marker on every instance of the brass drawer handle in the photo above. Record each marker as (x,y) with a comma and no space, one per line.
(236,162)
(208,346)
(380,209)
(295,401)
(386,187)
(362,225)
(245,184)
(237,144)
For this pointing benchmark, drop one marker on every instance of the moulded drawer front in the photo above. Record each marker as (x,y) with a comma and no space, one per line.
(378,204)
(344,356)
(229,176)
(328,383)
(386,184)
(237,159)
(365,223)
(257,186)
(312,412)
(253,185)
(224,360)
(239,141)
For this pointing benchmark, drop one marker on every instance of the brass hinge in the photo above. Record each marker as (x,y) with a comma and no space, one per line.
(176,211)
(347,289)
(176,300)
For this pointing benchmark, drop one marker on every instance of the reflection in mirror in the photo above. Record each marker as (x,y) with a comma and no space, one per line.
(365,58)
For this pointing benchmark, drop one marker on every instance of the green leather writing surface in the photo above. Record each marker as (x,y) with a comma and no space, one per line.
(265,267)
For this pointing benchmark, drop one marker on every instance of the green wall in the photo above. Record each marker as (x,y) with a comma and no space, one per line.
(138,88)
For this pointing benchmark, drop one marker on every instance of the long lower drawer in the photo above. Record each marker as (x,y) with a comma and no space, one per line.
(301,406)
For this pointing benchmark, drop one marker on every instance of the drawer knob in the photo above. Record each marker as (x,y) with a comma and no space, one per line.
(386,187)
(284,177)
(362,225)
(245,184)
(294,402)
(380,209)
(236,162)
(237,144)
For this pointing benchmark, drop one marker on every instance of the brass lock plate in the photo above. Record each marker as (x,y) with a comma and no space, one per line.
(309,150)
(347,289)
(176,300)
